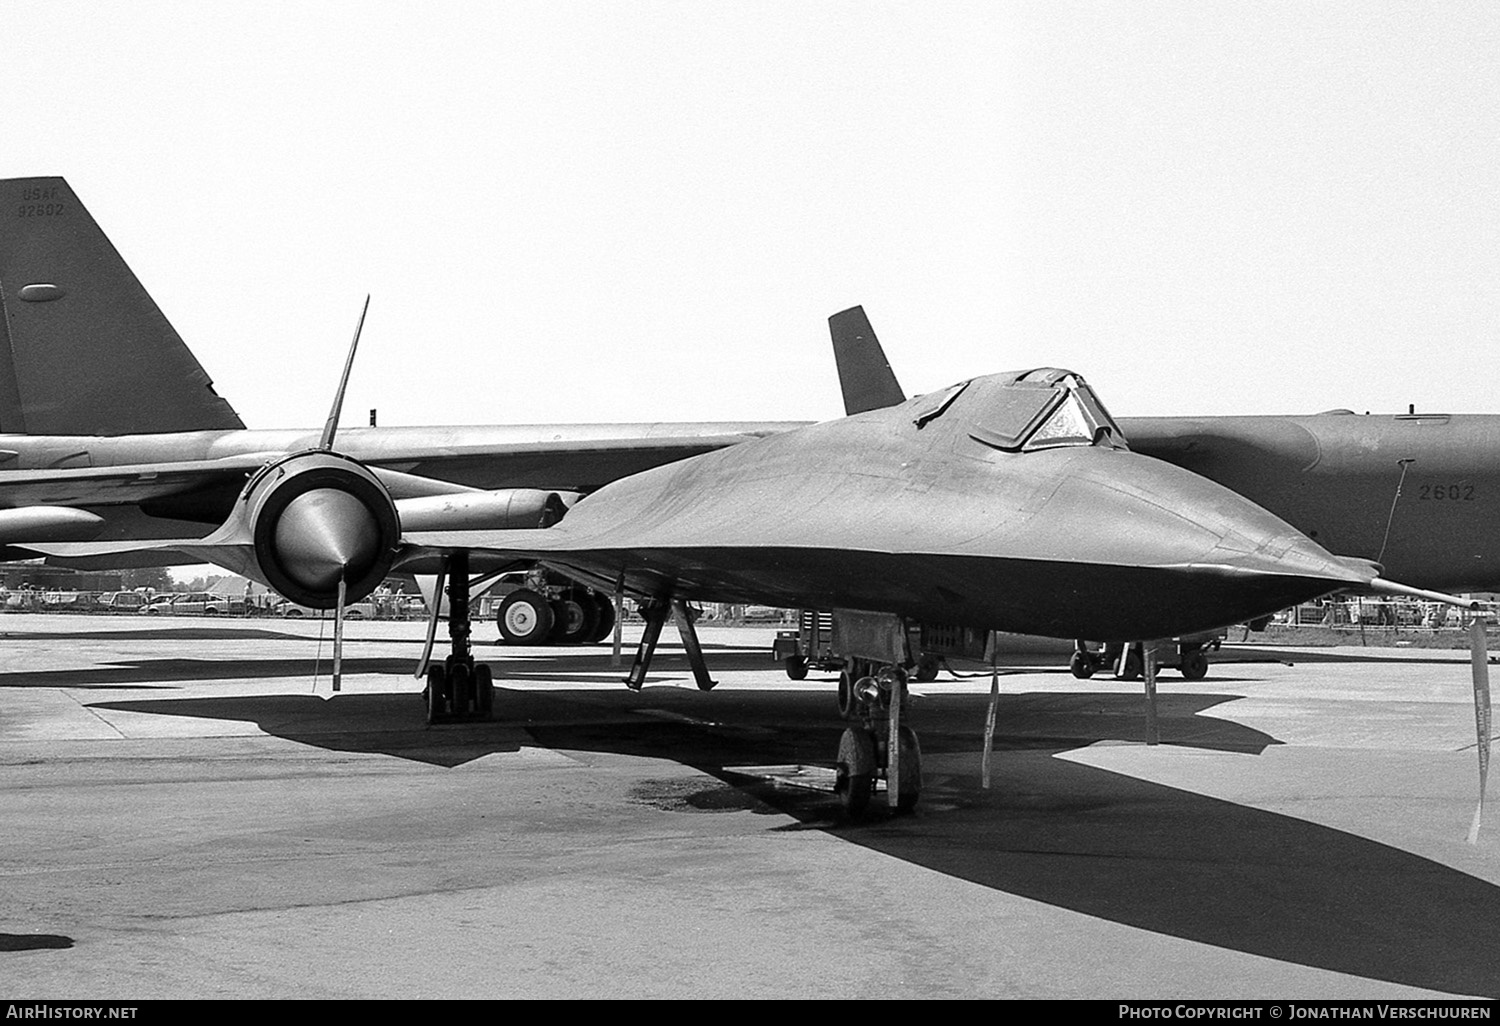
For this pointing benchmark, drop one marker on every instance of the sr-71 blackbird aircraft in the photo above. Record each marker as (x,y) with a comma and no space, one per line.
(1009,502)
(1414,492)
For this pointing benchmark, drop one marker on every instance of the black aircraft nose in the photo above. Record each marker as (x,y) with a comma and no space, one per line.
(1176,552)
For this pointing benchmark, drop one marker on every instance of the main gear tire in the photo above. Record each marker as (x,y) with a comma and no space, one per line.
(606,607)
(525,618)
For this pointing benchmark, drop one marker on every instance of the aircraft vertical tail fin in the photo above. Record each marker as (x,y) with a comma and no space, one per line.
(864,372)
(84,350)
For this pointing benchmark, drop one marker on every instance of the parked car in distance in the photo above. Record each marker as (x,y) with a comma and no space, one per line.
(197,603)
(122,601)
(364,610)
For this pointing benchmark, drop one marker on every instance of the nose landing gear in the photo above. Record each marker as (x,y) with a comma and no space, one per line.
(880,746)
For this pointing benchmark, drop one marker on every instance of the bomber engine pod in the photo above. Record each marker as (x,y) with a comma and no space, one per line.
(501,509)
(317,516)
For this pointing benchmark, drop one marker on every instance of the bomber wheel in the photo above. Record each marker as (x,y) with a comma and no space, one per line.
(524,618)
(796,667)
(436,697)
(1082,665)
(574,618)
(484,690)
(1194,664)
(606,607)
(927,668)
(1133,665)
(854,772)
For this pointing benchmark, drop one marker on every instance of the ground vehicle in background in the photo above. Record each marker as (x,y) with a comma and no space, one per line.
(157,605)
(1188,655)
(811,646)
(353,611)
(196,603)
(122,602)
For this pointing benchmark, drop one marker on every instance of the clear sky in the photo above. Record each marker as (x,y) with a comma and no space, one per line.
(590,211)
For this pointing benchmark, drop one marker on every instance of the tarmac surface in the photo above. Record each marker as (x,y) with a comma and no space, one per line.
(187,811)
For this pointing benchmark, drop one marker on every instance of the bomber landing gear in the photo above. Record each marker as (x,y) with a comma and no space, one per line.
(575,617)
(525,618)
(553,611)
(866,753)
(458,688)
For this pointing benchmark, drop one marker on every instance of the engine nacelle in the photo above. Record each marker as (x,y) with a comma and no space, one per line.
(317,516)
(501,509)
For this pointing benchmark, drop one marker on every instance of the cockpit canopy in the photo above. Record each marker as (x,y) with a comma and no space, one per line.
(1035,409)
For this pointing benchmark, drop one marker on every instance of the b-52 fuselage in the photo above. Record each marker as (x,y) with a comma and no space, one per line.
(1419,492)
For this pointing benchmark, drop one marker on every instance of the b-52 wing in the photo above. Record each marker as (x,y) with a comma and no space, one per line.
(110,428)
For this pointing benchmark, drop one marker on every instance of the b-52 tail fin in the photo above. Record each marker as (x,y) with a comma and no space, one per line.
(864,372)
(83,348)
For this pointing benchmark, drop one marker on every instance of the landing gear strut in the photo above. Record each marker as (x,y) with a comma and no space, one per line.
(880,746)
(459,688)
(655,613)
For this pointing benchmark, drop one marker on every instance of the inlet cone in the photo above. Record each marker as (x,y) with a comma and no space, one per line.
(323,535)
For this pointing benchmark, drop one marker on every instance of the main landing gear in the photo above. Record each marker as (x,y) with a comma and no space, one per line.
(458,688)
(880,746)
(553,611)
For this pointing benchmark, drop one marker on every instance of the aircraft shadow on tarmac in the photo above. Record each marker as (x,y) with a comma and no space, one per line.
(1093,841)
(33,941)
(584,665)
(1293,656)
(162,634)
(151,673)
